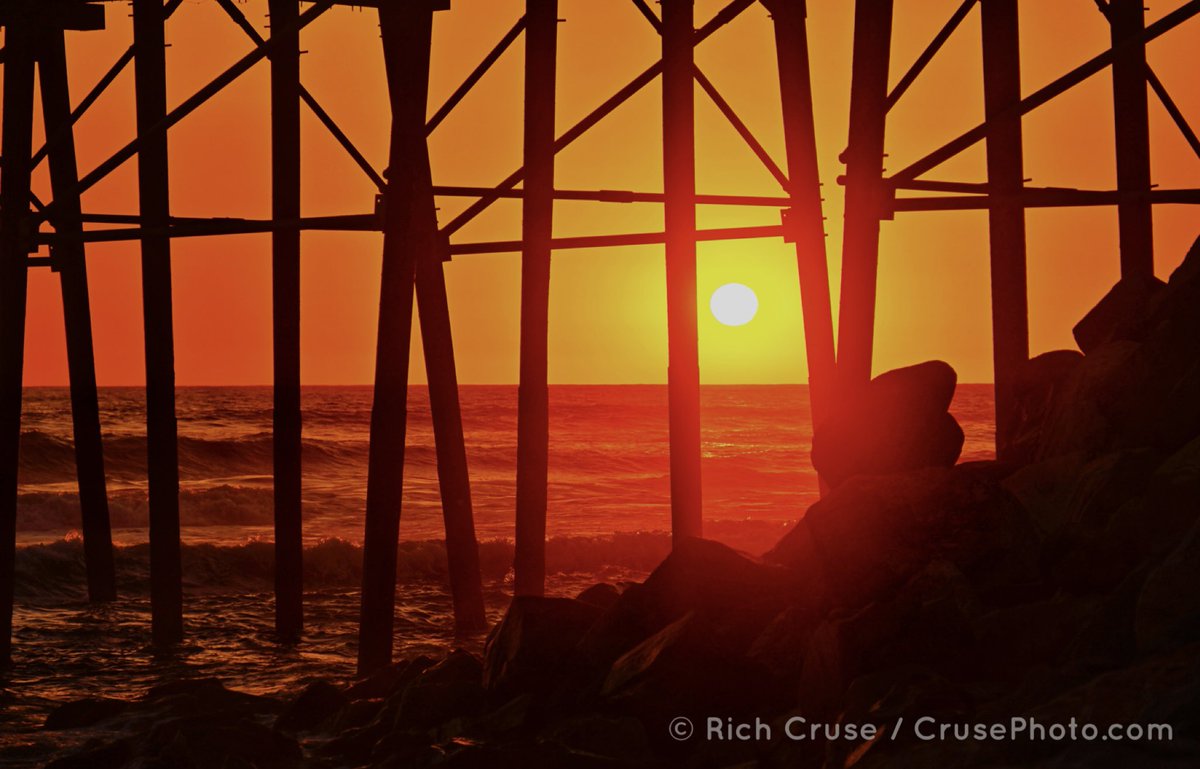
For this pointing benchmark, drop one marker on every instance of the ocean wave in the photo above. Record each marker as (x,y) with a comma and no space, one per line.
(47,458)
(54,572)
(222,505)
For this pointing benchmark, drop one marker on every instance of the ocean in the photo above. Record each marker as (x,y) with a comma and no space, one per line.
(608,520)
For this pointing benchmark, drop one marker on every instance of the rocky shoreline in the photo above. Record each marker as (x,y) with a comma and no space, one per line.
(1059,584)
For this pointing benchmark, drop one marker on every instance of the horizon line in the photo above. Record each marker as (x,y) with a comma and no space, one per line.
(461,384)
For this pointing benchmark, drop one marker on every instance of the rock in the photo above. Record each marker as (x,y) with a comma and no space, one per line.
(686,670)
(899,421)
(1014,639)
(1122,315)
(875,532)
(85,712)
(216,741)
(781,645)
(1082,417)
(536,639)
(1173,497)
(1081,552)
(318,702)
(625,624)
(739,595)
(1168,609)
(1037,387)
(602,596)
(388,680)
(926,623)
(885,697)
(1106,639)
(620,739)
(207,695)
(451,688)
(1151,526)
(1158,685)
(1044,489)
(113,755)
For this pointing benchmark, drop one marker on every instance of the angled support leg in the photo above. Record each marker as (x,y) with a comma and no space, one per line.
(71,264)
(805,217)
(410,230)
(462,548)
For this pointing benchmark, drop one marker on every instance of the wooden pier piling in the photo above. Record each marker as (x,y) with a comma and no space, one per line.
(166,578)
(537,209)
(679,180)
(1006,214)
(1127,19)
(70,262)
(410,231)
(806,218)
(285,295)
(454,482)
(16,138)
(865,192)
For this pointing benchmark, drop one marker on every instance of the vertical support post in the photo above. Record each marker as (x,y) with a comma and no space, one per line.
(150,83)
(864,191)
(805,217)
(1006,214)
(462,548)
(409,230)
(16,137)
(679,185)
(1128,19)
(70,261)
(533,410)
(285,295)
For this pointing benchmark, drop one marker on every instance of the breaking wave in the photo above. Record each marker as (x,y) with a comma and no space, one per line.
(54,572)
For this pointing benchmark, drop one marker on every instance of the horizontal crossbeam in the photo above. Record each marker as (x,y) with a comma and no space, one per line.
(1048,198)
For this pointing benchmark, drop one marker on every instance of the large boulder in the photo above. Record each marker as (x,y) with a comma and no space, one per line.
(689,669)
(1037,387)
(738,593)
(319,701)
(927,622)
(528,650)
(899,421)
(1120,315)
(89,711)
(453,688)
(874,533)
(1168,609)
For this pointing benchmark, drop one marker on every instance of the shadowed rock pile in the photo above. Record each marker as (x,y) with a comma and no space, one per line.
(1055,587)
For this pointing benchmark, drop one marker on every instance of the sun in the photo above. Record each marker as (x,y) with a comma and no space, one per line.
(734,304)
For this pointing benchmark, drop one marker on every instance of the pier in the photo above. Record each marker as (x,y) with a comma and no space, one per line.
(56,235)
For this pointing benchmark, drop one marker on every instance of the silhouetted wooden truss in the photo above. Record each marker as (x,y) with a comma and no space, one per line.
(416,244)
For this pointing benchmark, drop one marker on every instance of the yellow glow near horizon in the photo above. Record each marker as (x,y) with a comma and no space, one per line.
(734,304)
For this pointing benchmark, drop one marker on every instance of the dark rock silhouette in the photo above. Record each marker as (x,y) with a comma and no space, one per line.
(1120,316)
(899,421)
(319,701)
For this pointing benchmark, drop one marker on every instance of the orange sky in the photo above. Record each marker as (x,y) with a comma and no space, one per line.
(607,311)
